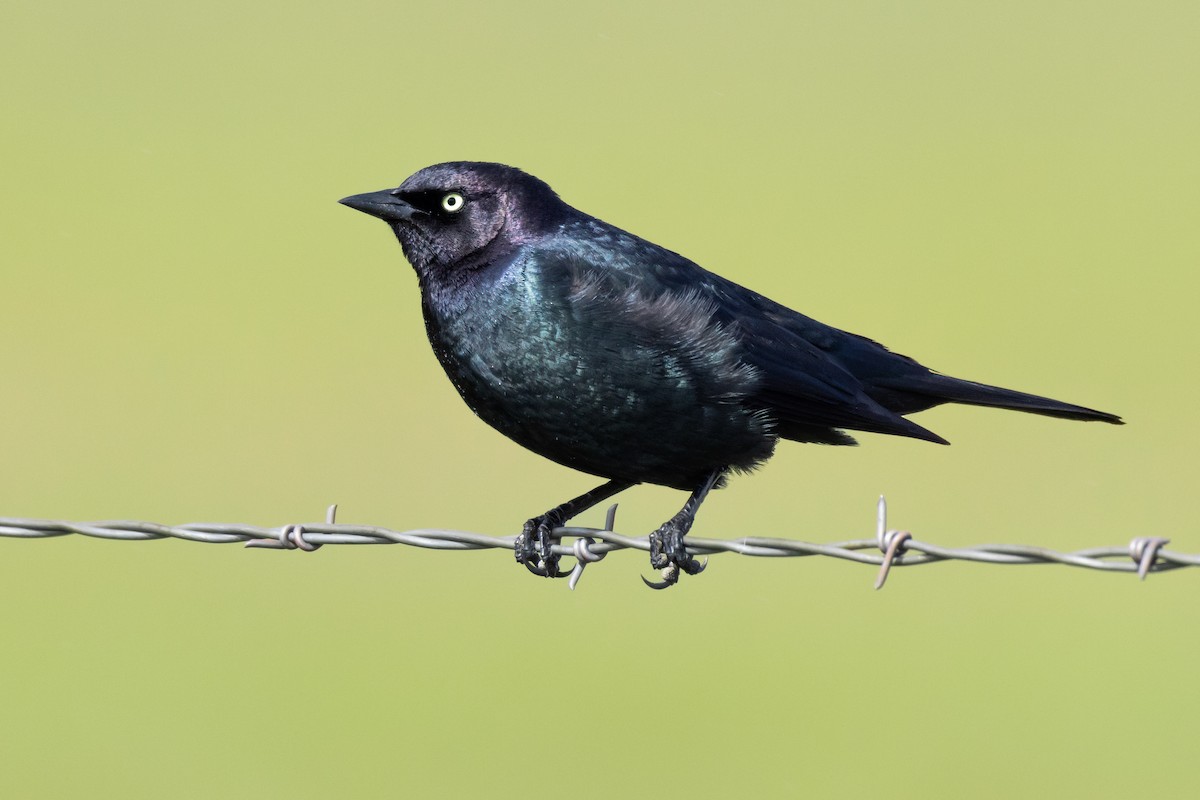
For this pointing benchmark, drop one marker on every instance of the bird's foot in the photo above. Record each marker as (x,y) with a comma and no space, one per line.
(535,546)
(668,553)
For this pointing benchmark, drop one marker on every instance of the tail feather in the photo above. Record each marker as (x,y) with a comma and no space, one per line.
(944,389)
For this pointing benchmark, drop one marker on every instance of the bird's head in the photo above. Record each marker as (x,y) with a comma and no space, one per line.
(461,215)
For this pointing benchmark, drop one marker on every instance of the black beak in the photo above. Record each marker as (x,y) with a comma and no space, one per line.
(384,204)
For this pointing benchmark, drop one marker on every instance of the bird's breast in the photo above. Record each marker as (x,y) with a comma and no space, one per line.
(578,386)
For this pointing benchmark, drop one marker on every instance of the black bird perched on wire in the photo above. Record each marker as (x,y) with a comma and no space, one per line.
(614,356)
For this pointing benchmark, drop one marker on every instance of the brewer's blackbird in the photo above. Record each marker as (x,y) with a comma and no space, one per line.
(614,356)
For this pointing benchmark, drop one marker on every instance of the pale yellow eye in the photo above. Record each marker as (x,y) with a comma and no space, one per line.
(453,202)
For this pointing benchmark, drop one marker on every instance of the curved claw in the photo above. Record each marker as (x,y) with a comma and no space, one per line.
(542,571)
(670,578)
(700,568)
(657,584)
(535,569)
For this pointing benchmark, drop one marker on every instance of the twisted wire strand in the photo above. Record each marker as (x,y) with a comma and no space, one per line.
(890,548)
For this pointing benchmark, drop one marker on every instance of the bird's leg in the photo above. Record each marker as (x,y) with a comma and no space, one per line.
(533,547)
(667,551)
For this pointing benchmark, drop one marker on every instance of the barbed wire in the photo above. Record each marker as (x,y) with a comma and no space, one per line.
(892,548)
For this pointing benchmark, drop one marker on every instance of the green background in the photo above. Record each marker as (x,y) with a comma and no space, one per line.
(194,330)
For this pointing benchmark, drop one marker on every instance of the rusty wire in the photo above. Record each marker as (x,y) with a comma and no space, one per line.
(889,548)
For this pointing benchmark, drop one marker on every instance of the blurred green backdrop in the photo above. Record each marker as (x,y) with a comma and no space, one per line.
(195,330)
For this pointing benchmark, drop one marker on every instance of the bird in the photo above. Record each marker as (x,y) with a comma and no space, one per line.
(617,357)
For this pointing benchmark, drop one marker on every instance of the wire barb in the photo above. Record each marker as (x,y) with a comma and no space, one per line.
(887,549)
(892,543)
(1143,550)
(291,537)
(582,549)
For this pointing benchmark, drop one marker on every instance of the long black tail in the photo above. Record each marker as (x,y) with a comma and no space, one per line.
(944,389)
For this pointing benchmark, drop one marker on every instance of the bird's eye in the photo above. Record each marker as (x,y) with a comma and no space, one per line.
(453,202)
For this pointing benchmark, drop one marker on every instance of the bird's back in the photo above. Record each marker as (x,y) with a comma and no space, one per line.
(801,382)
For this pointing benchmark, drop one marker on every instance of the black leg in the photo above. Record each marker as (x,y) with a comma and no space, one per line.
(667,550)
(533,546)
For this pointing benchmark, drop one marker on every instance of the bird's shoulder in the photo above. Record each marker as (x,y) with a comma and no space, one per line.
(603,274)
(612,285)
(590,252)
(585,247)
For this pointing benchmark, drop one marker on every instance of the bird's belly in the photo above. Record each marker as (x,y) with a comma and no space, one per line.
(608,407)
